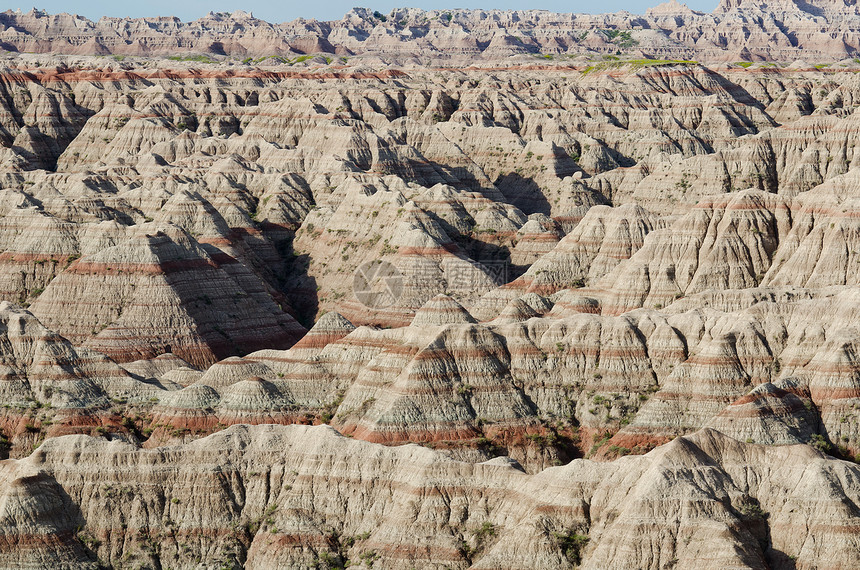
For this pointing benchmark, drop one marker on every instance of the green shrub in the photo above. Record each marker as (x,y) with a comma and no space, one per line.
(571,545)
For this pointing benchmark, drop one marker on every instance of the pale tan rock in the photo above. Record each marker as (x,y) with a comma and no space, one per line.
(734,31)
(597,256)
(605,237)
(293,481)
(725,243)
(152,267)
(156,367)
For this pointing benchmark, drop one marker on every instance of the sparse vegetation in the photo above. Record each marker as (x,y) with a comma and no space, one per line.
(751,510)
(195,58)
(571,544)
(821,443)
(635,64)
(621,38)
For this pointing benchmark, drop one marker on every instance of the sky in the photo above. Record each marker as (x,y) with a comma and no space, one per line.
(277,11)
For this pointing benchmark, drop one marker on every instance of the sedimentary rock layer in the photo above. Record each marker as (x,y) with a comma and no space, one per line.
(778,29)
(577,281)
(296,496)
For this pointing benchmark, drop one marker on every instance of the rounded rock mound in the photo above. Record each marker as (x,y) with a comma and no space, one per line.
(232,370)
(253,401)
(441,310)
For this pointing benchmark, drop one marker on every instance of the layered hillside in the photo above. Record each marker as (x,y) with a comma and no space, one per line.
(594,311)
(299,497)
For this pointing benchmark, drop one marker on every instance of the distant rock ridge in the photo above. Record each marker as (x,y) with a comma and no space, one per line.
(738,29)
(815,7)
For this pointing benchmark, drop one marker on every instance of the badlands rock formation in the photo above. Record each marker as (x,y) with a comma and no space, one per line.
(596,309)
(300,497)
(739,29)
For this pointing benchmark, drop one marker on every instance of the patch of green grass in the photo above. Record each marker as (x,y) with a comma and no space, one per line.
(636,64)
(617,451)
(659,62)
(197,58)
